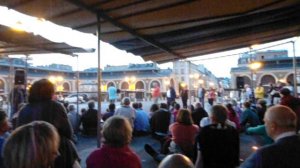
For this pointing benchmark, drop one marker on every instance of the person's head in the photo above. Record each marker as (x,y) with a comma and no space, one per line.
(34,145)
(111,107)
(163,105)
(262,102)
(117,131)
(177,106)
(135,105)
(234,102)
(126,101)
(198,105)
(229,106)
(218,114)
(71,107)
(140,105)
(285,91)
(176,161)
(41,90)
(191,108)
(184,117)
(279,119)
(83,110)
(91,105)
(4,124)
(154,107)
(247,104)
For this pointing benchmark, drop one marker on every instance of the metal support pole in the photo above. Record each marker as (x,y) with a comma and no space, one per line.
(77,84)
(295,70)
(26,77)
(99,82)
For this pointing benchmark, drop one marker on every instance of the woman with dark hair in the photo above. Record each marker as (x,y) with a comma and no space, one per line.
(154,107)
(42,107)
(183,133)
(232,116)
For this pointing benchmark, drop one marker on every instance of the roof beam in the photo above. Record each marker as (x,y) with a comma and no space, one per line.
(144,38)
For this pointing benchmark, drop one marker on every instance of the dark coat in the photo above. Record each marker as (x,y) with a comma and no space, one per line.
(283,153)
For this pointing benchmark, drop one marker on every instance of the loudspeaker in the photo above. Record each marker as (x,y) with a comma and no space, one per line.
(20,77)
(240,82)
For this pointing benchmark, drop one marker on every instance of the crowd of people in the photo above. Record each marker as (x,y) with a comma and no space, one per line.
(44,132)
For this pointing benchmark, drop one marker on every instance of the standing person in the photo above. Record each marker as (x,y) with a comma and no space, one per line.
(89,120)
(218,143)
(270,93)
(112,93)
(281,123)
(126,111)
(249,93)
(171,96)
(211,96)
(17,96)
(184,96)
(33,145)
(115,152)
(290,86)
(155,93)
(201,95)
(259,92)
(42,107)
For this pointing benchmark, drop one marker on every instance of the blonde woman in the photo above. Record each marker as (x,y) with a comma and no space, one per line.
(34,145)
(117,134)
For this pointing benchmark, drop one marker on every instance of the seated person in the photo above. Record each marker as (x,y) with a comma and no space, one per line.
(281,126)
(115,152)
(89,120)
(33,145)
(176,161)
(141,122)
(4,127)
(183,133)
(260,130)
(249,117)
(110,112)
(218,143)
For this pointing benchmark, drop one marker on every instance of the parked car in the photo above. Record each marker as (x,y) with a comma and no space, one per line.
(72,98)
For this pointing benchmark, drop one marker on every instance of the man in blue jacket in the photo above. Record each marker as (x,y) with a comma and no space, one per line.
(281,124)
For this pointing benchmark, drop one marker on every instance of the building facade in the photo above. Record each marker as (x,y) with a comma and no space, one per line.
(135,80)
(276,68)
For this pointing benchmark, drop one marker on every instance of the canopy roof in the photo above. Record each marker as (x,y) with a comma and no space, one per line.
(17,42)
(166,30)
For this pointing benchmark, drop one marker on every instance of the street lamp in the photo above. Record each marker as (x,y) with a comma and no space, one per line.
(254,66)
(194,77)
(57,81)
